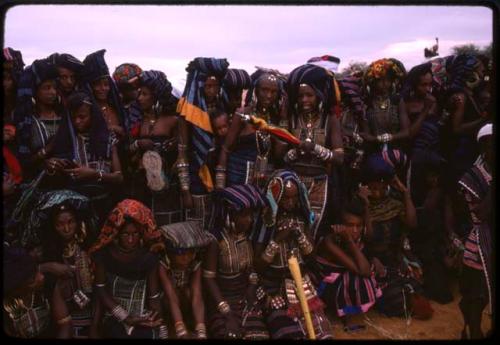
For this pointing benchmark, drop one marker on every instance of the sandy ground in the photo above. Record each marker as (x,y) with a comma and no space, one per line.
(446,323)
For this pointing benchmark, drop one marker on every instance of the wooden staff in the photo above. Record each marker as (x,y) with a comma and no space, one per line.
(293,265)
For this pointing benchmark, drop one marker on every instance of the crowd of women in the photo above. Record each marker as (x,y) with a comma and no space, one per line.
(130,212)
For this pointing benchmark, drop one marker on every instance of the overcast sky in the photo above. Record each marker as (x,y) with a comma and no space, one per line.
(282,37)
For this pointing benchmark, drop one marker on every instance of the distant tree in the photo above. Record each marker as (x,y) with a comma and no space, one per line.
(472,48)
(354,67)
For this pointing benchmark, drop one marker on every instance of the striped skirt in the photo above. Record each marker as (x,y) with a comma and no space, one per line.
(344,291)
(233,291)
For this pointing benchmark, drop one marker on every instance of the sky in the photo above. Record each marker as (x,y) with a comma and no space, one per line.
(167,37)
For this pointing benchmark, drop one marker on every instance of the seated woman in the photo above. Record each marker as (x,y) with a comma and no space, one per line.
(386,124)
(85,155)
(66,225)
(26,309)
(228,272)
(36,122)
(180,276)
(285,233)
(154,148)
(388,248)
(126,273)
(346,282)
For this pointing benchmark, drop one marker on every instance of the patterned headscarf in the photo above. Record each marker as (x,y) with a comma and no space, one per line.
(185,235)
(67,61)
(382,68)
(396,158)
(158,83)
(260,74)
(142,215)
(13,63)
(236,197)
(319,78)
(274,192)
(235,79)
(352,90)
(192,106)
(95,67)
(125,72)
(376,168)
(31,226)
(460,68)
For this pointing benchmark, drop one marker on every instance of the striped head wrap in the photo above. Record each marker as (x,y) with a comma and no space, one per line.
(397,159)
(236,79)
(193,108)
(185,235)
(237,197)
(352,90)
(319,78)
(125,72)
(158,83)
(95,67)
(13,63)
(460,68)
(259,75)
(67,61)
(376,168)
(140,214)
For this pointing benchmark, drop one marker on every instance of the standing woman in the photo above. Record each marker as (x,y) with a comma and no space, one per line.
(37,115)
(69,71)
(85,154)
(312,96)
(154,148)
(248,155)
(126,273)
(125,77)
(199,102)
(387,124)
(233,85)
(13,68)
(228,269)
(285,233)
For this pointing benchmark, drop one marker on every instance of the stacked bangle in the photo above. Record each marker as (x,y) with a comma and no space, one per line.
(304,244)
(119,313)
(201,331)
(220,177)
(323,153)
(163,332)
(183,172)
(180,329)
(209,274)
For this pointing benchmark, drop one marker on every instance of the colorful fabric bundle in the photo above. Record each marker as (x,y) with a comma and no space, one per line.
(193,108)
(382,68)
(351,90)
(460,69)
(328,62)
(125,72)
(140,214)
(262,125)
(237,197)
(396,158)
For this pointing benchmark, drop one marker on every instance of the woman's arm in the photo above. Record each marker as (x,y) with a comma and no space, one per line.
(197,302)
(210,272)
(337,145)
(154,291)
(457,104)
(183,162)
(170,294)
(60,314)
(404,123)
(429,108)
(116,176)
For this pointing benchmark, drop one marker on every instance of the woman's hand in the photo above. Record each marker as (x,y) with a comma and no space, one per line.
(82,173)
(118,130)
(398,185)
(342,232)
(285,228)
(364,192)
(145,144)
(56,164)
(380,269)
(306,146)
(187,200)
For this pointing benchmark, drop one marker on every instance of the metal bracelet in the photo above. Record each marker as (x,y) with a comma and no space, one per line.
(209,274)
(201,331)
(99,179)
(119,313)
(220,179)
(163,332)
(180,329)
(64,320)
(156,295)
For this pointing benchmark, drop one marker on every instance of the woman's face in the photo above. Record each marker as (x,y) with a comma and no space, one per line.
(82,118)
(182,261)
(66,225)
(129,237)
(235,98)
(46,93)
(243,220)
(290,199)
(354,224)
(101,88)
(307,100)
(382,86)
(267,92)
(8,84)
(424,84)
(211,89)
(221,125)
(146,98)
(377,189)
(67,79)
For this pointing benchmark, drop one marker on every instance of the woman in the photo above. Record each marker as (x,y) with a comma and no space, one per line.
(388,248)
(285,233)
(346,282)
(228,270)
(26,310)
(68,224)
(37,116)
(13,67)
(180,277)
(69,71)
(126,77)
(126,273)
(153,148)
(197,106)
(312,98)
(387,122)
(85,154)
(234,83)
(99,84)
(475,281)
(248,155)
